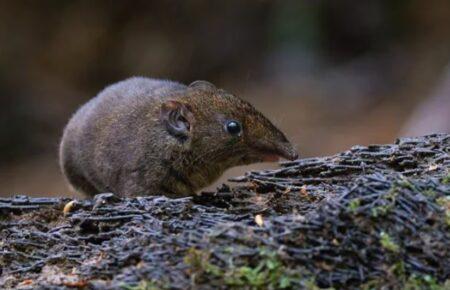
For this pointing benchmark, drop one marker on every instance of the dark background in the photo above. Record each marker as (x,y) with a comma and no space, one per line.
(331,74)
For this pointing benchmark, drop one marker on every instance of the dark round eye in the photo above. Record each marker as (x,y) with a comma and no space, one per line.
(233,127)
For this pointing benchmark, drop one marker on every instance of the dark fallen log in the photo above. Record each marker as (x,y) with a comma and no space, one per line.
(368,217)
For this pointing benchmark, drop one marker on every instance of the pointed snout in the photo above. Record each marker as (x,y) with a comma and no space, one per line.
(272,151)
(286,150)
(269,143)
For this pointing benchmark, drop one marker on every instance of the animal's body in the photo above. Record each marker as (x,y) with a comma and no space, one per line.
(145,136)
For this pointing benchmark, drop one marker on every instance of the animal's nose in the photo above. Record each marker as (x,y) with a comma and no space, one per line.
(286,150)
(294,156)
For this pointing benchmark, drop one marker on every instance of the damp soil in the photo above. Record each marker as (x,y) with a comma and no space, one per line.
(368,217)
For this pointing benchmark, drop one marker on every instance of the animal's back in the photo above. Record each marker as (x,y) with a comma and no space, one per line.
(92,151)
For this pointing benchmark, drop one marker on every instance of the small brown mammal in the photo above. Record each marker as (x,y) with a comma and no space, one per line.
(145,136)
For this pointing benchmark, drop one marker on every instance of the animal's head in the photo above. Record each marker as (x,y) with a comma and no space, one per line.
(221,127)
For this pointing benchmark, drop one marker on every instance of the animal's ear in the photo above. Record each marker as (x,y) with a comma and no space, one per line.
(178,118)
(203,85)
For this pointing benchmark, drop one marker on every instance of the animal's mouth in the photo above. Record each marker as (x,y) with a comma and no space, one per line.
(273,152)
(268,155)
(270,158)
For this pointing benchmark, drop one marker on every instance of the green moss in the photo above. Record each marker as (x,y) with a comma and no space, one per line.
(412,282)
(143,285)
(444,202)
(199,262)
(418,282)
(387,242)
(446,179)
(381,210)
(354,204)
(406,282)
(390,199)
(268,273)
(430,193)
(405,183)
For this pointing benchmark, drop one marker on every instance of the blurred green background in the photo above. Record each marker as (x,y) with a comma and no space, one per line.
(331,74)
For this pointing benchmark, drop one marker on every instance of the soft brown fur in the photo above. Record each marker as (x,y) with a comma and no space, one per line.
(118,141)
